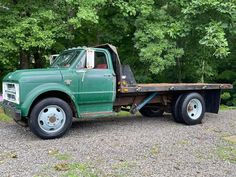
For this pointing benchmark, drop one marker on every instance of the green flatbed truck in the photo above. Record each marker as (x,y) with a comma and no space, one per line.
(91,82)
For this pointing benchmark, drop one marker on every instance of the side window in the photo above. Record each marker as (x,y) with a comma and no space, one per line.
(100,61)
(81,64)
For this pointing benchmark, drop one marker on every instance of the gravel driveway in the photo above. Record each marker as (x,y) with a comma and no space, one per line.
(126,146)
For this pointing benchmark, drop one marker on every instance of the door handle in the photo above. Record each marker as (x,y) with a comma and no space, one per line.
(107,75)
(83,71)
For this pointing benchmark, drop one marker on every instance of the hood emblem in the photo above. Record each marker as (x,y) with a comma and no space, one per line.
(68,82)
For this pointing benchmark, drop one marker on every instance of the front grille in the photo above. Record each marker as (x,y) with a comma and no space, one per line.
(11,87)
(11,97)
(11,92)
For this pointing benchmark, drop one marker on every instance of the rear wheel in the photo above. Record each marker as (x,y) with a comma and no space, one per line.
(50,118)
(151,111)
(176,108)
(192,108)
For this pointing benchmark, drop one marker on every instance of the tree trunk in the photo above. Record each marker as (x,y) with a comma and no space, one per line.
(38,60)
(14,2)
(203,71)
(179,75)
(24,59)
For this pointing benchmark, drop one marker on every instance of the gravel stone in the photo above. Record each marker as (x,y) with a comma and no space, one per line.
(123,146)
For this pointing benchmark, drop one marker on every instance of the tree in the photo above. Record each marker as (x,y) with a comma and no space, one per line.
(33,29)
(164,41)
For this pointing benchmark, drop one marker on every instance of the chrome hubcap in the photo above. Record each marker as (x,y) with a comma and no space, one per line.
(194,109)
(51,119)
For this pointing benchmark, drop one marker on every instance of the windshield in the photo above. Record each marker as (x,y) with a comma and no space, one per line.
(66,59)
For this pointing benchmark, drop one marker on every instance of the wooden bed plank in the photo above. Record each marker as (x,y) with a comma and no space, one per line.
(174,87)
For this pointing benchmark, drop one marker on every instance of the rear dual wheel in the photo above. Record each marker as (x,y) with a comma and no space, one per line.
(189,109)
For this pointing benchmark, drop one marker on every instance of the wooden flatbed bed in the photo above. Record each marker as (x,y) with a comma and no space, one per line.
(163,87)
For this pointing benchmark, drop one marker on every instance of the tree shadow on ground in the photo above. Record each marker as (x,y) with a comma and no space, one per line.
(121,121)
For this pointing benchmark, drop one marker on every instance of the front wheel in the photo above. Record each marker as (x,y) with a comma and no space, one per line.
(50,118)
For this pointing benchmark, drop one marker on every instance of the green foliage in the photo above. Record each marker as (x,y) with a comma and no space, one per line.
(155,37)
(163,41)
(225,96)
(215,38)
(234,101)
(40,27)
(84,10)
(224,107)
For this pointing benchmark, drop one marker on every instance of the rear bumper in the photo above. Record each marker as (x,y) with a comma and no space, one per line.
(11,110)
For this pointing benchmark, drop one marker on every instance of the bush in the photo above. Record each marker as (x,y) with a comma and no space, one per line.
(234,102)
(225,96)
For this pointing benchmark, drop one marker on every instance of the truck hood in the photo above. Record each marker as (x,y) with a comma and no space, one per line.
(34,75)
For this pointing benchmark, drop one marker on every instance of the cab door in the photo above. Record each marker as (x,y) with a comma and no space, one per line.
(96,85)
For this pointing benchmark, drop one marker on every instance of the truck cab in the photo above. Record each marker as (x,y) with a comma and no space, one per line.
(90,78)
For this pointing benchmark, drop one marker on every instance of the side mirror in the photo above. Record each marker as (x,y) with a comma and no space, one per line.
(52,58)
(90,59)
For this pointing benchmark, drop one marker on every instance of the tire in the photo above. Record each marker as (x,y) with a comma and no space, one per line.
(176,108)
(151,112)
(192,108)
(50,118)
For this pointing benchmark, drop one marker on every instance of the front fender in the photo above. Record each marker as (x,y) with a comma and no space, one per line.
(33,94)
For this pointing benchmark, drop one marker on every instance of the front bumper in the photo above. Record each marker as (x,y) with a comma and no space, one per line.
(10,109)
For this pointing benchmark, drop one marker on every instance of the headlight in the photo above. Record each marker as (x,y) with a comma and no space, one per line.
(11,92)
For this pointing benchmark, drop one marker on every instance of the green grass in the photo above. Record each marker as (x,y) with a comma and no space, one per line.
(4,117)
(127,114)
(184,142)
(227,153)
(122,168)
(123,114)
(154,150)
(224,107)
(76,169)
(7,155)
(125,165)
(230,139)
(58,155)
(64,156)
(69,169)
